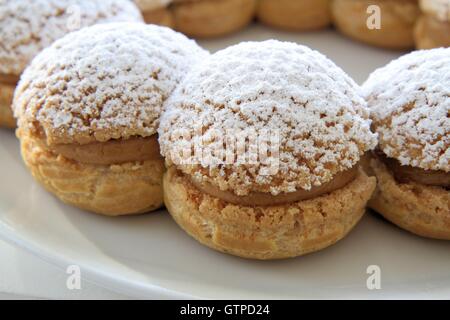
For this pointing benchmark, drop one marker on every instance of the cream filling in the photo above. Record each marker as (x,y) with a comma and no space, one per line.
(9,79)
(408,173)
(111,152)
(339,181)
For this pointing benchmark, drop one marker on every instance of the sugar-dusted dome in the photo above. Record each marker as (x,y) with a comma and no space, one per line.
(278,87)
(30,26)
(410,104)
(104,82)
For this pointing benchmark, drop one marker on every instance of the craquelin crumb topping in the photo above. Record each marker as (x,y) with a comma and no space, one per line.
(104,82)
(29,26)
(272,86)
(410,105)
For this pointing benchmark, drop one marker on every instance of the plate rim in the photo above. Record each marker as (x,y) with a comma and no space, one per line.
(115,283)
(138,290)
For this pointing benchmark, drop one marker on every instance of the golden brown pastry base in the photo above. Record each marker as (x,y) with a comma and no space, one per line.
(162,17)
(6,97)
(422,210)
(265,233)
(298,15)
(431,33)
(212,18)
(397,21)
(113,190)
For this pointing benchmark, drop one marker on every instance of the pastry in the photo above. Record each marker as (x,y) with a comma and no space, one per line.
(212,18)
(262,143)
(433,27)
(88,108)
(7,87)
(410,106)
(199,18)
(156,12)
(29,26)
(397,18)
(295,15)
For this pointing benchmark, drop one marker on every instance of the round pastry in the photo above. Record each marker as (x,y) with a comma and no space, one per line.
(302,194)
(397,20)
(295,15)
(410,104)
(88,108)
(29,26)
(156,12)
(212,18)
(433,27)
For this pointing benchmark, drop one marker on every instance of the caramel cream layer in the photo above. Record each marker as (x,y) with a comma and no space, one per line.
(266,199)
(411,174)
(9,79)
(111,152)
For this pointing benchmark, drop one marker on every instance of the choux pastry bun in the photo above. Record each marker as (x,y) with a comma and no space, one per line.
(410,107)
(397,21)
(156,12)
(199,18)
(296,15)
(212,18)
(433,27)
(262,144)
(88,108)
(29,26)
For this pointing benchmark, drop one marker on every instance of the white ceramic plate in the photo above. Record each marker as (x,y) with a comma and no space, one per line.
(150,257)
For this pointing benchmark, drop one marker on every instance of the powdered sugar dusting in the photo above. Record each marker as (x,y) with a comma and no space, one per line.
(29,26)
(276,86)
(103,82)
(410,103)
